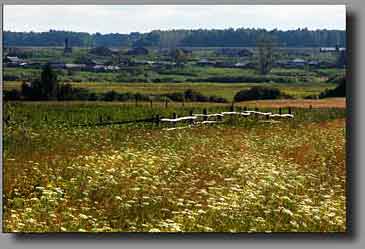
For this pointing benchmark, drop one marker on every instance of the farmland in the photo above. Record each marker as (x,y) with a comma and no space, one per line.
(239,176)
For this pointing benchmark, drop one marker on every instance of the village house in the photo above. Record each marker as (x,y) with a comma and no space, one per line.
(13,61)
(205,62)
(313,64)
(244,64)
(297,63)
(331,49)
(57,64)
(75,66)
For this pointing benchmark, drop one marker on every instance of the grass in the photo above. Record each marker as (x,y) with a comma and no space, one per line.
(225,90)
(190,73)
(246,176)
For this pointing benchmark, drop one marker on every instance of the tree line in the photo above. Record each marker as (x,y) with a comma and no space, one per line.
(241,37)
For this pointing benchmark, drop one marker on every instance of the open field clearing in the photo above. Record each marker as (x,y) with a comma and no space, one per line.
(299,103)
(225,90)
(243,176)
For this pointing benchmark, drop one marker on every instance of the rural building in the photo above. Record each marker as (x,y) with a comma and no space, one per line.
(205,62)
(313,64)
(297,63)
(33,65)
(57,64)
(331,49)
(13,61)
(75,66)
(244,64)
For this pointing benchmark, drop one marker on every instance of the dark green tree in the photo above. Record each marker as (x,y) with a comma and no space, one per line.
(265,47)
(45,88)
(341,59)
(49,84)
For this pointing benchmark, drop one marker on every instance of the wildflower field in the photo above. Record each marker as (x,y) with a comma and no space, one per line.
(244,175)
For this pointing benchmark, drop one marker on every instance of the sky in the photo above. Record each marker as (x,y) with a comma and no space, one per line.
(144,18)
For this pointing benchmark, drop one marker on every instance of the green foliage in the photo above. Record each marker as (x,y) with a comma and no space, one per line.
(45,88)
(339,91)
(101,51)
(341,59)
(257,92)
(170,39)
(265,45)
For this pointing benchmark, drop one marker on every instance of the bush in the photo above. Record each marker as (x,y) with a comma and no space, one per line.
(101,51)
(258,92)
(339,91)
(190,96)
(11,95)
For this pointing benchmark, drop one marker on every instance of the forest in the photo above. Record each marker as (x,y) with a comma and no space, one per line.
(241,37)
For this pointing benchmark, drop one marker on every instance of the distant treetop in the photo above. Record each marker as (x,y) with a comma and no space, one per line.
(241,37)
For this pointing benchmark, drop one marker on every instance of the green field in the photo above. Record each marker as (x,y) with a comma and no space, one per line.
(243,175)
(226,90)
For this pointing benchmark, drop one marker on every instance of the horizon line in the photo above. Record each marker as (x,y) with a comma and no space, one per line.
(167,30)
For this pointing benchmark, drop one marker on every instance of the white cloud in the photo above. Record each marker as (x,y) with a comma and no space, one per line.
(143,18)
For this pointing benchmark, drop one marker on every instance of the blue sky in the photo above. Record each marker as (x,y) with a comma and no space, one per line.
(144,18)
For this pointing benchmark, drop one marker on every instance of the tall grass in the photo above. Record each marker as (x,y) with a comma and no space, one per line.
(247,176)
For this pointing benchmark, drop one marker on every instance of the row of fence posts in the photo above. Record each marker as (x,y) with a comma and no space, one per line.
(205,113)
(166,104)
(174,115)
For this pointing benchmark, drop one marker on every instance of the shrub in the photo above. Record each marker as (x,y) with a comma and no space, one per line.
(11,95)
(258,92)
(339,91)
(110,96)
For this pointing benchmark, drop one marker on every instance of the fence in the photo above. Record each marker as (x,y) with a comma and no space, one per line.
(203,118)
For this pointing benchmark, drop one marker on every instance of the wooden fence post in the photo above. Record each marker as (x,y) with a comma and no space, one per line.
(310,107)
(191,114)
(205,112)
(174,116)
(245,108)
(280,110)
(289,110)
(151,104)
(157,120)
(232,107)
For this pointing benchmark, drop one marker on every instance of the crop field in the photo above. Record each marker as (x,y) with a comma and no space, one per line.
(243,175)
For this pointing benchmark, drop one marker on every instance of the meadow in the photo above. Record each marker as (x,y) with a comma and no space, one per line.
(225,90)
(244,175)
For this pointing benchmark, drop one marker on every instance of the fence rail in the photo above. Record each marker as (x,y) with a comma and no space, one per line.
(201,118)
